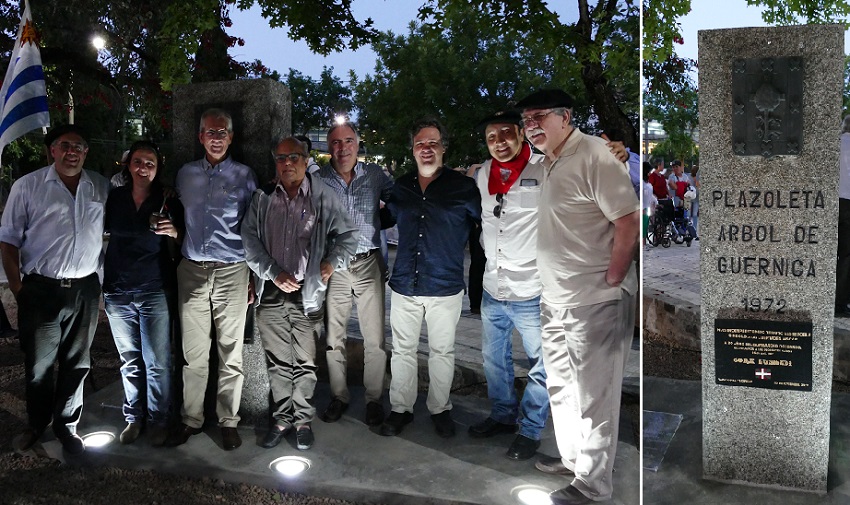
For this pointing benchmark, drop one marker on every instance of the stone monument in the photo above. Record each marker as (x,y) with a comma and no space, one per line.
(770,113)
(261,110)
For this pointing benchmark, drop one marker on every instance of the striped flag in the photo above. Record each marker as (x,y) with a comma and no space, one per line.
(23,96)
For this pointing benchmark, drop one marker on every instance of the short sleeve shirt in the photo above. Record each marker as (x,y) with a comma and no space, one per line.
(585,190)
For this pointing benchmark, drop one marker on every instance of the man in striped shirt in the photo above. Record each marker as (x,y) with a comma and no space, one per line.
(360,187)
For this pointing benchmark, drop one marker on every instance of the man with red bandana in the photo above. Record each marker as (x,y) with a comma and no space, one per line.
(588,226)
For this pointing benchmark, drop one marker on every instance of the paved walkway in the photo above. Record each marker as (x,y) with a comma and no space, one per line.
(352,462)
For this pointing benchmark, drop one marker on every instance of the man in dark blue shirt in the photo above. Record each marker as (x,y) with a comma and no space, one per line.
(435,208)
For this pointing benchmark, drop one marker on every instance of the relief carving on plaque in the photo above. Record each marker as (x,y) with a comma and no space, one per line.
(767,112)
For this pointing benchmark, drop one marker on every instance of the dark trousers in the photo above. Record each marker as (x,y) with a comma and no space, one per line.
(477,262)
(842,272)
(289,340)
(56,324)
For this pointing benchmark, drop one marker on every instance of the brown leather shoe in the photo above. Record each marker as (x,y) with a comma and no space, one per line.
(181,436)
(230,438)
(552,466)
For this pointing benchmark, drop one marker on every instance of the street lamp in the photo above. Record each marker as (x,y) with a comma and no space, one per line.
(98,42)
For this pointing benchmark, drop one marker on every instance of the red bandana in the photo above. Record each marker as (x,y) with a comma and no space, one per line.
(504,175)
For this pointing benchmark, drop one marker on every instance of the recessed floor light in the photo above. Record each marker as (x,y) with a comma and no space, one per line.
(98,439)
(531,495)
(290,466)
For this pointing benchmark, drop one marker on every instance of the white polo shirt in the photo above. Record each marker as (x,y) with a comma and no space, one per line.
(510,241)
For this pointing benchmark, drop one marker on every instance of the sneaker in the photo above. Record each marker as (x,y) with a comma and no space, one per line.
(395,422)
(443,424)
(130,433)
(304,437)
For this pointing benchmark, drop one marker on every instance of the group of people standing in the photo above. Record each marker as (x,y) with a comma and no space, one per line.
(559,228)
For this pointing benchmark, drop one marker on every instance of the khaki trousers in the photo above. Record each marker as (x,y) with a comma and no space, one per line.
(584,352)
(441,314)
(362,283)
(207,296)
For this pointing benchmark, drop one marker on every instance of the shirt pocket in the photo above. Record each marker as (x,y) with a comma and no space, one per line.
(529,196)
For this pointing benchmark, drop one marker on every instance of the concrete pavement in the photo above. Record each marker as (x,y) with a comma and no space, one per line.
(352,462)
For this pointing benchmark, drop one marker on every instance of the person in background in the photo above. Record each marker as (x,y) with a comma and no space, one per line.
(312,166)
(139,276)
(842,273)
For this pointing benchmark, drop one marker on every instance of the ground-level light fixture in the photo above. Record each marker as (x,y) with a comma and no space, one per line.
(531,495)
(290,466)
(98,439)
(98,42)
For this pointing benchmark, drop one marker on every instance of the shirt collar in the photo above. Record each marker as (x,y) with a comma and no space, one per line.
(53,175)
(303,189)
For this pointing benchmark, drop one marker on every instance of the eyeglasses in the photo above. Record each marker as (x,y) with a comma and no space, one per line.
(535,119)
(216,134)
(497,210)
(292,157)
(71,147)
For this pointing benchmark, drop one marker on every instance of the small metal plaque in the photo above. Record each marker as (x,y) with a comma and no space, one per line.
(767,106)
(763,354)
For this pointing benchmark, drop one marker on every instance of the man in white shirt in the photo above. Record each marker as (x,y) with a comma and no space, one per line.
(510,184)
(52,233)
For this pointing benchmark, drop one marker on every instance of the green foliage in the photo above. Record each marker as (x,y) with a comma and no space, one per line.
(458,75)
(315,103)
(597,51)
(661,28)
(795,12)
(846,98)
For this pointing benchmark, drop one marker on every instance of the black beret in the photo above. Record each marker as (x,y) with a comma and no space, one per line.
(501,117)
(545,99)
(58,131)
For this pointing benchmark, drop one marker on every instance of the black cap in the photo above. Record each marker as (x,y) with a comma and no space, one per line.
(545,99)
(676,163)
(58,131)
(501,117)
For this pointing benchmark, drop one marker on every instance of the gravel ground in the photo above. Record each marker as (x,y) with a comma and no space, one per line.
(26,480)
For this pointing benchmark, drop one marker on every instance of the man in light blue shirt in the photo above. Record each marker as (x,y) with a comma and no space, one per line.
(51,232)
(212,282)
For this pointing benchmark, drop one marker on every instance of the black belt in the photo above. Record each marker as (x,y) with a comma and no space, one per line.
(363,255)
(211,264)
(62,283)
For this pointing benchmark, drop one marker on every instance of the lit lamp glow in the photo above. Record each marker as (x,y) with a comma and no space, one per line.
(340,119)
(290,466)
(531,495)
(98,42)
(98,439)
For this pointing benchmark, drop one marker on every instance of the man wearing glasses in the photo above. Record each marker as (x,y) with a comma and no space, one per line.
(212,283)
(52,233)
(360,188)
(296,234)
(588,226)
(435,208)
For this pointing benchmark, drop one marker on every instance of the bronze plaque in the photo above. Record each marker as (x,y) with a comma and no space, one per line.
(763,354)
(767,106)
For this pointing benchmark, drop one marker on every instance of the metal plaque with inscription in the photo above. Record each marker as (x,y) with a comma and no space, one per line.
(767,106)
(763,354)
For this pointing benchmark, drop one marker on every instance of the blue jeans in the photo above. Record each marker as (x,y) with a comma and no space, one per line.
(141,329)
(498,320)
